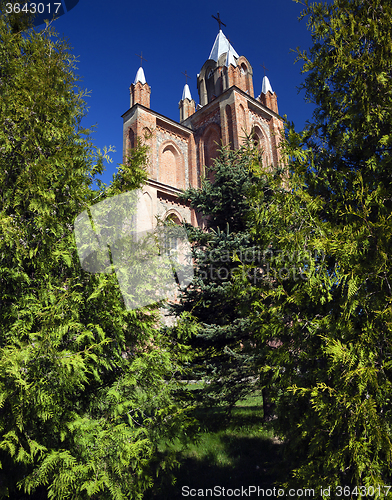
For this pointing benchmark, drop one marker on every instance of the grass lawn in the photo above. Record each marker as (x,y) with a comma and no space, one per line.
(230,453)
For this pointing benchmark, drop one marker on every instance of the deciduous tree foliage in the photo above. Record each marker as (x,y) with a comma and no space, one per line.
(334,323)
(87,388)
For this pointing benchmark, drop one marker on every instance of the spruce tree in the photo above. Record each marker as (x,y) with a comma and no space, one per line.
(87,388)
(220,295)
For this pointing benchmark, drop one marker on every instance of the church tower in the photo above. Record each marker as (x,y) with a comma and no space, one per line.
(140,90)
(181,151)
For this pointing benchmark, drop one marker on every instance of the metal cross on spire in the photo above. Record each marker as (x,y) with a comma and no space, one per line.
(186,76)
(141,58)
(219,21)
(265,69)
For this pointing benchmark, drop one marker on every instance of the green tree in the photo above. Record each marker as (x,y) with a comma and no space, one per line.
(220,294)
(333,322)
(87,388)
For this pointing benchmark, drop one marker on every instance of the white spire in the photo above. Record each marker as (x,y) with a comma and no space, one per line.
(230,58)
(186,93)
(140,76)
(221,45)
(266,86)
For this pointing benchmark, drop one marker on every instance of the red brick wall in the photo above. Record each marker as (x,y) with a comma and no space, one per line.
(171,165)
(140,94)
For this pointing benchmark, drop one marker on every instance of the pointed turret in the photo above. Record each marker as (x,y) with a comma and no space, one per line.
(186,93)
(221,71)
(266,86)
(140,76)
(140,90)
(268,96)
(187,105)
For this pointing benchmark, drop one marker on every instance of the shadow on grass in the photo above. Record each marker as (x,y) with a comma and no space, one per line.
(231,453)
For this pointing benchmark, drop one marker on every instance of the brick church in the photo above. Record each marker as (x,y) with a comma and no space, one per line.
(181,151)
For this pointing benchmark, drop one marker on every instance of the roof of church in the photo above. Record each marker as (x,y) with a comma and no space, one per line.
(140,76)
(266,86)
(186,93)
(230,58)
(221,45)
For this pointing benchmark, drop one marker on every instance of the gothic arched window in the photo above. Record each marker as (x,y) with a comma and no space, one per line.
(171,242)
(261,143)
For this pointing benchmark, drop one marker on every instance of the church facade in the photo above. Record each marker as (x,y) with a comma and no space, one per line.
(181,151)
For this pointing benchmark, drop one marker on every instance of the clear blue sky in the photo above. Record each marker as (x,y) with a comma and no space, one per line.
(175,36)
